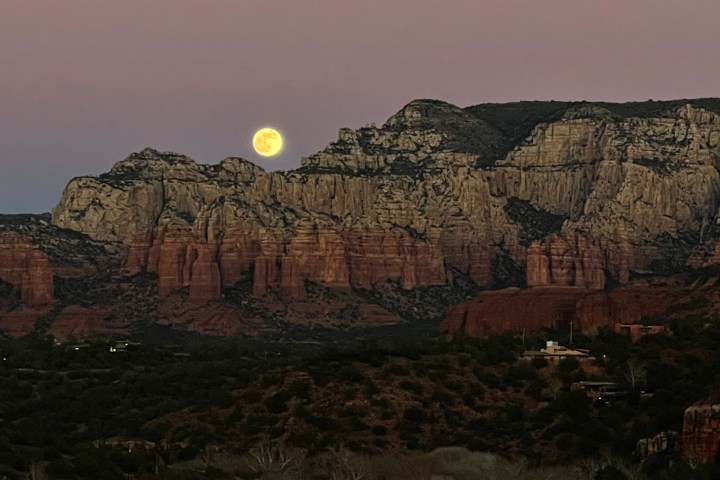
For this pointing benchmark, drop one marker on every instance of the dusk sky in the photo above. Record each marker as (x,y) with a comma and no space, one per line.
(85,83)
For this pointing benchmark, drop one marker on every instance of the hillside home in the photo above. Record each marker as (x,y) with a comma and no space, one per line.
(554,352)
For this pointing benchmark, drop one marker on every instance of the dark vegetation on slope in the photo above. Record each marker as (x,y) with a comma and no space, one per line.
(536,222)
(64,248)
(57,400)
(517,119)
(464,132)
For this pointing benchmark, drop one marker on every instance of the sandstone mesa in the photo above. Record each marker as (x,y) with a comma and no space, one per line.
(566,199)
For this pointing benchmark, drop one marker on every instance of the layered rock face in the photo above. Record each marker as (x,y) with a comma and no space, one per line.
(27,268)
(661,442)
(562,195)
(516,310)
(79,322)
(179,261)
(19,322)
(44,270)
(701,431)
(567,261)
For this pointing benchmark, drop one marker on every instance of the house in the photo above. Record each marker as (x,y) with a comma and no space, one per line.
(553,351)
(636,331)
(598,390)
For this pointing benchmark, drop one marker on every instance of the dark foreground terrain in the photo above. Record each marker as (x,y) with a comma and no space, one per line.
(211,409)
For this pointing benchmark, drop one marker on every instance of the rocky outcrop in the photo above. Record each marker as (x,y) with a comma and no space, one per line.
(209,318)
(204,275)
(701,431)
(661,442)
(179,259)
(616,193)
(284,261)
(516,310)
(27,268)
(547,194)
(144,191)
(79,323)
(18,322)
(566,260)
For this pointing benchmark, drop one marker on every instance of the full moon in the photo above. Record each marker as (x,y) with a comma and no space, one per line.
(267,142)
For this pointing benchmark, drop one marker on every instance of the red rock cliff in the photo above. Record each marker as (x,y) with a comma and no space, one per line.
(179,259)
(28,268)
(567,260)
(599,190)
(700,439)
(339,260)
(514,309)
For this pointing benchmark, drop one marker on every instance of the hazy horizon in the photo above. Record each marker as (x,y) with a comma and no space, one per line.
(84,86)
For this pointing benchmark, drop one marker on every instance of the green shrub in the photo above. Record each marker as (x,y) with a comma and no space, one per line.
(568,365)
(60,469)
(418,415)
(469,400)
(387,414)
(355,424)
(489,379)
(565,442)
(521,372)
(454,386)
(536,388)
(370,387)
(350,374)
(277,403)
(514,413)
(412,386)
(443,396)
(397,370)
(539,362)
(300,389)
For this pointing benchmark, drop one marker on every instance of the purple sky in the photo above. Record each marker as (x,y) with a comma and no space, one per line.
(84,83)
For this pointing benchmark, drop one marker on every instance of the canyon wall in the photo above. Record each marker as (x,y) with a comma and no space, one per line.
(585,199)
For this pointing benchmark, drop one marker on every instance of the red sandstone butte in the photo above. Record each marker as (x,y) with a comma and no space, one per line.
(80,323)
(27,268)
(285,261)
(208,318)
(179,261)
(700,439)
(21,321)
(204,275)
(565,260)
(237,253)
(341,260)
(515,309)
